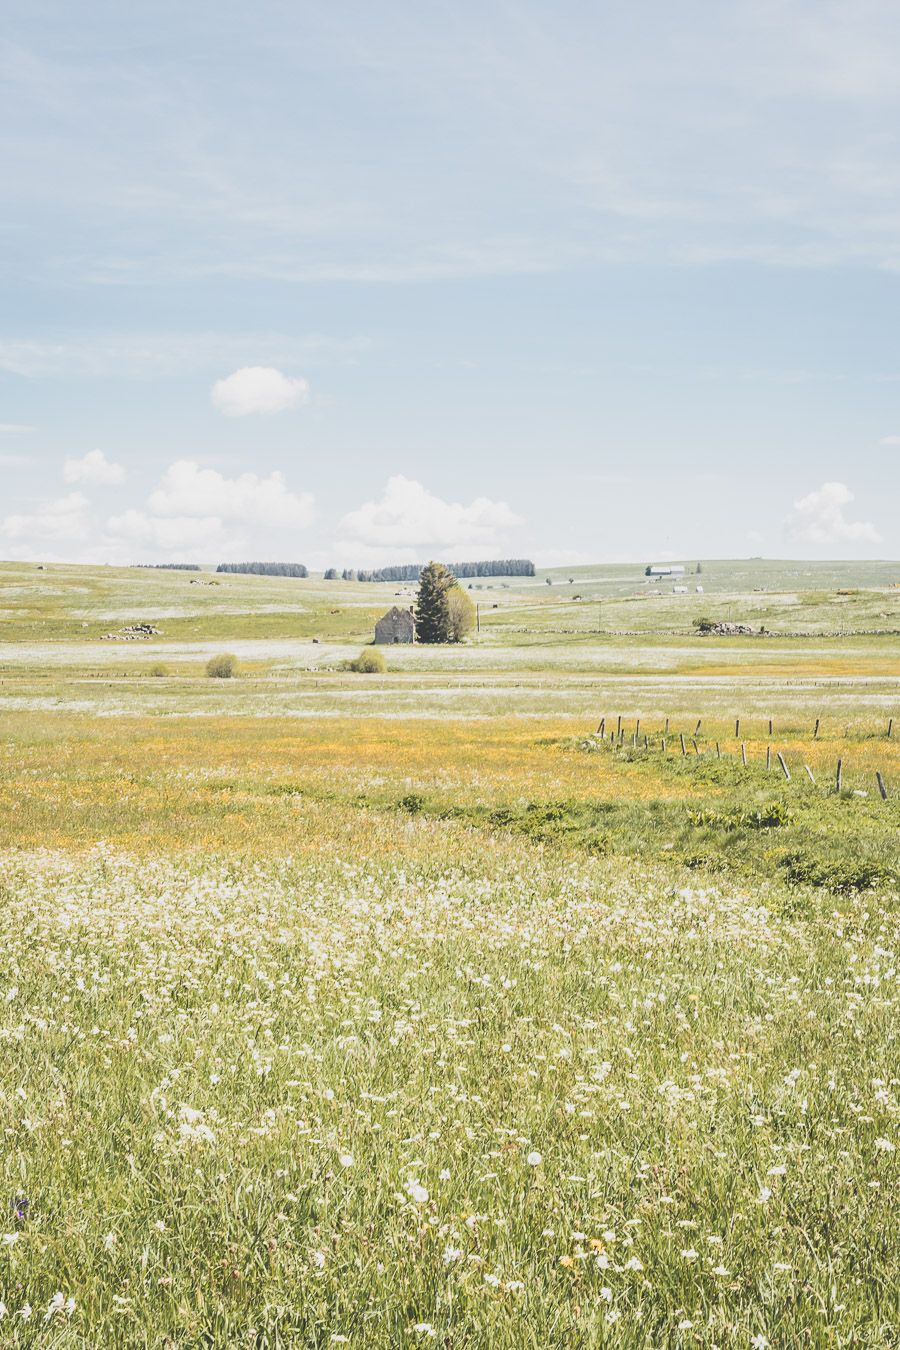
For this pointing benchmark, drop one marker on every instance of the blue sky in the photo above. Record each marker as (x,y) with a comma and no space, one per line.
(349,283)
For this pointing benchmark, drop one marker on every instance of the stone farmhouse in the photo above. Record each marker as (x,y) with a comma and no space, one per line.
(398,625)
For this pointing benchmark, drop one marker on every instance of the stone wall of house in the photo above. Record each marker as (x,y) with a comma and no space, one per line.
(398,625)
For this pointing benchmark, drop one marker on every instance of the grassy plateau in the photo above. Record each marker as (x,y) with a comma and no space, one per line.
(537,992)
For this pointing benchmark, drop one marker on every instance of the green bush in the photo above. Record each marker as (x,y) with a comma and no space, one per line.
(368,662)
(772,816)
(222,667)
(841,875)
(413,803)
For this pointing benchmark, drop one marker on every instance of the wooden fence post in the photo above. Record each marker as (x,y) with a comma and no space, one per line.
(816,730)
(695,745)
(666,732)
(737,727)
(637,727)
(785,770)
(683,751)
(881,787)
(770,726)
(743,754)
(619,727)
(664,747)
(839,777)
(601,730)
(768,756)
(718,751)
(698,726)
(890,726)
(810,772)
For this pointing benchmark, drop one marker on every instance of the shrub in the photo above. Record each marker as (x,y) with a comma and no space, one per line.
(157,670)
(461,613)
(369,662)
(413,803)
(222,667)
(841,875)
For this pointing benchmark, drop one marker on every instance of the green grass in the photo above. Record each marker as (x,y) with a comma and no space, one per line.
(276,1103)
(405,1010)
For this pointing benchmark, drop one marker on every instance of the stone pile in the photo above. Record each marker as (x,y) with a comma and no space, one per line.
(134,632)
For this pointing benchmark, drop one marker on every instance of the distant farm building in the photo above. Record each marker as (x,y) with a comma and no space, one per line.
(398,625)
(664,571)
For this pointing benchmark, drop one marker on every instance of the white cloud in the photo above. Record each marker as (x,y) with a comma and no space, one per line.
(889,440)
(59,520)
(408,517)
(818,518)
(188,490)
(257,389)
(14,429)
(179,538)
(194,515)
(93,467)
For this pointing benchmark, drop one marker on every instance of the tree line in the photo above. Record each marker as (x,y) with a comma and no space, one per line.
(262,569)
(495,567)
(172,567)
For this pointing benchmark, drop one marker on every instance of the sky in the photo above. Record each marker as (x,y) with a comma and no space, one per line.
(348,283)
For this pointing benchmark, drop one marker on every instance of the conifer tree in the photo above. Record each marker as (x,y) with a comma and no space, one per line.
(432,603)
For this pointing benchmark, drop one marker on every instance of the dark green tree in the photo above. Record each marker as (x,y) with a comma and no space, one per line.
(433,603)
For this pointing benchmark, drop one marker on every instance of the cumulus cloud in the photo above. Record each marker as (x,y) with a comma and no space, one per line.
(93,467)
(410,518)
(58,520)
(186,538)
(197,514)
(818,518)
(188,490)
(257,389)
